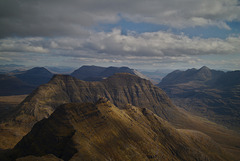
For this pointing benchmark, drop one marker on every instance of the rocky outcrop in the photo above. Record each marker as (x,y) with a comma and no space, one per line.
(120,89)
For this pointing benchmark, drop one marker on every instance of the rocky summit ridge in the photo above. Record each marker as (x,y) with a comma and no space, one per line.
(120,89)
(101,131)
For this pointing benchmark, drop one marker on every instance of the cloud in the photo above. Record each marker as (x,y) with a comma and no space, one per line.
(74,17)
(131,49)
(159,44)
(22,45)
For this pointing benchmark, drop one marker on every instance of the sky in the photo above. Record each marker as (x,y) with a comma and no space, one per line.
(141,34)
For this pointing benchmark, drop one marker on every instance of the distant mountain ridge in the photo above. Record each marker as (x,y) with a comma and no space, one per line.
(97,73)
(35,76)
(20,82)
(202,75)
(23,82)
(11,85)
(206,92)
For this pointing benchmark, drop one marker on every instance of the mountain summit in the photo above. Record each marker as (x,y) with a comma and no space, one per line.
(35,76)
(201,75)
(120,89)
(96,73)
(23,82)
(206,92)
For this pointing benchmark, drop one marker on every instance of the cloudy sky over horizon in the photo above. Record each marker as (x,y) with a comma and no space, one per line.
(153,34)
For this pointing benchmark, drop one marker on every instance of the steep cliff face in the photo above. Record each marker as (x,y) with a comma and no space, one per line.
(101,131)
(120,89)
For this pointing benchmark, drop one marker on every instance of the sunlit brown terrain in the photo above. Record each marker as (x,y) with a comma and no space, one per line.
(122,90)
(101,131)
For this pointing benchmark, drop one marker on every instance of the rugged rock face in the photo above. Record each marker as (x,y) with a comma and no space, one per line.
(96,73)
(120,89)
(101,131)
(206,92)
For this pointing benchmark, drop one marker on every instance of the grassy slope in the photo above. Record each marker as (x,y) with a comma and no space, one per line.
(227,138)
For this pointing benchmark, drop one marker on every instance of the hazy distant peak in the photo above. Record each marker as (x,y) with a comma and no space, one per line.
(96,73)
(204,73)
(37,71)
(192,69)
(38,68)
(204,68)
(91,66)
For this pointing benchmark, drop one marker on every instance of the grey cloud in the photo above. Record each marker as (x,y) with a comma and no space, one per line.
(159,44)
(22,45)
(113,46)
(75,17)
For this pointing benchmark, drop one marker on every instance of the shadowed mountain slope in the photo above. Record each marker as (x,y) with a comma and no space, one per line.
(206,92)
(96,73)
(120,89)
(23,82)
(11,85)
(35,76)
(203,75)
(101,131)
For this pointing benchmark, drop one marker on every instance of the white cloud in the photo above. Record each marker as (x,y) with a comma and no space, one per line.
(132,49)
(22,45)
(159,44)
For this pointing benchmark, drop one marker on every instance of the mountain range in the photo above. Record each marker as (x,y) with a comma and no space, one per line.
(19,82)
(119,117)
(206,92)
(121,89)
(101,131)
